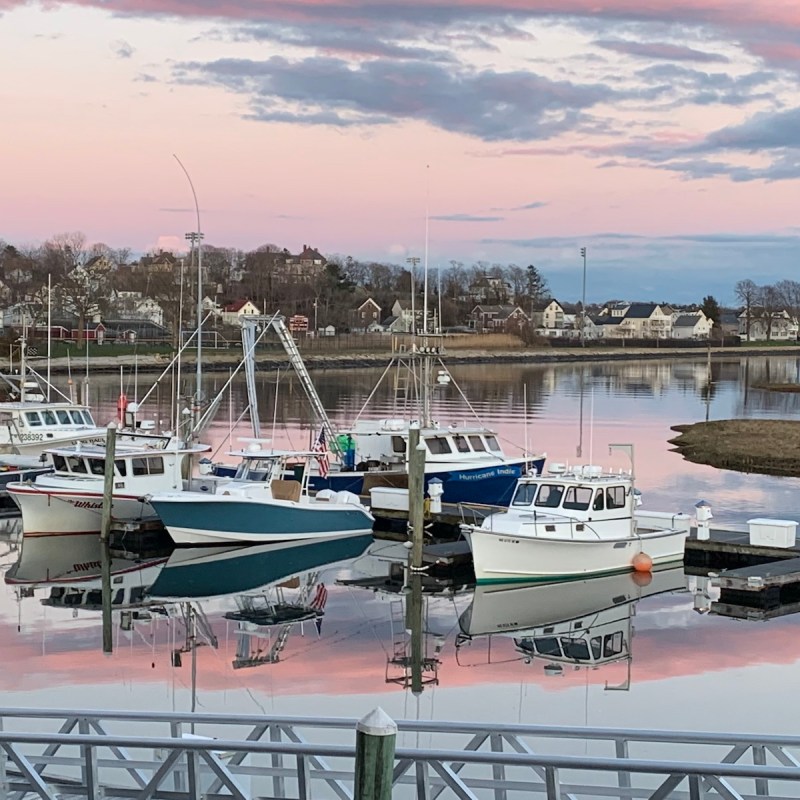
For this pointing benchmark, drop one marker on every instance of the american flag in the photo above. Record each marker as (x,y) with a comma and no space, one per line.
(321,447)
(318,604)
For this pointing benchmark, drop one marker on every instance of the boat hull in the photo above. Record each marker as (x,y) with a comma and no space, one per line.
(57,512)
(214,519)
(492,484)
(507,558)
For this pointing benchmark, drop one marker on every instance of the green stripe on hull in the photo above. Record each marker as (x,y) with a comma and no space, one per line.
(569,577)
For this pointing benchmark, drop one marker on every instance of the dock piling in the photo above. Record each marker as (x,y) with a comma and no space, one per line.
(105,528)
(376,735)
(416,491)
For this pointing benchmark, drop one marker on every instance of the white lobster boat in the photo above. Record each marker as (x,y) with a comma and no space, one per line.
(572,524)
(70,500)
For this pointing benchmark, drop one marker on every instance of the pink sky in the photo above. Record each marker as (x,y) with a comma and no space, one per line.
(658,134)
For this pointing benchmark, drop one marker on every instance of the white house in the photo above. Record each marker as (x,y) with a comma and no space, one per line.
(646,321)
(548,314)
(134,305)
(765,326)
(691,326)
(233,312)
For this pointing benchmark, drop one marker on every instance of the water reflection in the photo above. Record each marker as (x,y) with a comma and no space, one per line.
(580,624)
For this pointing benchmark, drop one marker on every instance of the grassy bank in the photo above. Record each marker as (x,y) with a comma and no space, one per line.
(765,446)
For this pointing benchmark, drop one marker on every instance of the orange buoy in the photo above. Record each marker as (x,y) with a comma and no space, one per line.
(642,579)
(642,562)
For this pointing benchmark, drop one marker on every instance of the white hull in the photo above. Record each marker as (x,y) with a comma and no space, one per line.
(506,557)
(54,512)
(200,537)
(35,447)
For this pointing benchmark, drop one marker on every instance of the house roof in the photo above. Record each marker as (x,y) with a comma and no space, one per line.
(236,306)
(604,319)
(542,304)
(368,301)
(687,321)
(640,310)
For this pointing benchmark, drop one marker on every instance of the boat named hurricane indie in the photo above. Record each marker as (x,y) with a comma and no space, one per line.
(261,504)
(70,499)
(573,523)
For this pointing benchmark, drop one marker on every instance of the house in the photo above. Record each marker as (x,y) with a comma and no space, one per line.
(134,305)
(616,309)
(646,321)
(729,323)
(488,289)
(691,326)
(134,330)
(395,324)
(405,318)
(368,313)
(604,326)
(547,314)
(232,313)
(160,262)
(495,318)
(101,264)
(778,325)
(304,267)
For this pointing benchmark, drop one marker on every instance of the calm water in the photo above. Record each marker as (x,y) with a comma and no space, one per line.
(687,671)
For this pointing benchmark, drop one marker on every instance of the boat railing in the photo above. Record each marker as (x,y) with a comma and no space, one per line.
(549,519)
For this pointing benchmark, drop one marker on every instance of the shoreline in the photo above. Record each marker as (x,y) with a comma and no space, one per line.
(223,362)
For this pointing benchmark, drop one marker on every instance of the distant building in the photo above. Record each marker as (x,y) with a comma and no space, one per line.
(691,326)
(366,315)
(233,313)
(547,314)
(489,290)
(778,325)
(497,318)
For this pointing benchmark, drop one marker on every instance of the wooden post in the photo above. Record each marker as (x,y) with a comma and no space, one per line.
(416,494)
(376,735)
(105,528)
(414,617)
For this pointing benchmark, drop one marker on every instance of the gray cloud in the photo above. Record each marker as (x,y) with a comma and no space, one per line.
(465,218)
(482,103)
(530,206)
(122,49)
(660,51)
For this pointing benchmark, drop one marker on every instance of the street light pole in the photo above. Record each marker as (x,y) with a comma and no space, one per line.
(197,237)
(583,301)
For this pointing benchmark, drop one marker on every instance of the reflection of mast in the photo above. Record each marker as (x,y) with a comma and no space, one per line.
(417,668)
(579,452)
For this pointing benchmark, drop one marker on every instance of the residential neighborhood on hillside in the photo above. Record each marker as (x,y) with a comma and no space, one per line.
(101,294)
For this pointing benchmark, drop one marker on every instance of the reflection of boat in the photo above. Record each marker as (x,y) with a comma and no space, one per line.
(209,572)
(583,622)
(569,524)
(54,560)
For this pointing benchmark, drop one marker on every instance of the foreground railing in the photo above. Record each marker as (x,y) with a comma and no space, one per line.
(118,754)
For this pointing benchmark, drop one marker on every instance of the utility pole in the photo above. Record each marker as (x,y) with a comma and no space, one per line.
(413,260)
(583,301)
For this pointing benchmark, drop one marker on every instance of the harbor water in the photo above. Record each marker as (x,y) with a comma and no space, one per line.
(686,670)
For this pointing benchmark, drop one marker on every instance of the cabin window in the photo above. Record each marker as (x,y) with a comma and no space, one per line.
(76,464)
(77,419)
(547,646)
(550,495)
(577,498)
(63,416)
(599,501)
(524,494)
(59,463)
(477,444)
(462,445)
(612,646)
(615,497)
(398,445)
(493,444)
(156,466)
(49,418)
(97,466)
(34,420)
(87,418)
(596,644)
(139,466)
(438,445)
(576,649)
(122,470)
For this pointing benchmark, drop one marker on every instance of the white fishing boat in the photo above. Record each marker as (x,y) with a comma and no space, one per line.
(70,499)
(573,523)
(261,504)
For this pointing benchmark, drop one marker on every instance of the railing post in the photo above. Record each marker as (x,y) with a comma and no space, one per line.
(376,735)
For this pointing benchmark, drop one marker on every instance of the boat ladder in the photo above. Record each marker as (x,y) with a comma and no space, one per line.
(299,366)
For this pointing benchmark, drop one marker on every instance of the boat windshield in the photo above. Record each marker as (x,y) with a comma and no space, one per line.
(255,469)
(550,495)
(524,494)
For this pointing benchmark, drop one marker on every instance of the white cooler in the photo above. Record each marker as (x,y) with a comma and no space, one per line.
(388,498)
(772,532)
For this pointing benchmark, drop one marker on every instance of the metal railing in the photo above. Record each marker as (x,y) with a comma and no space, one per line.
(152,756)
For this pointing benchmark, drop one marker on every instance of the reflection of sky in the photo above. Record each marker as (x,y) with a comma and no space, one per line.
(689,671)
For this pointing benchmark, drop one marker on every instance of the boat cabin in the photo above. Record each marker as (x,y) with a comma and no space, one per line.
(581,493)
(383,444)
(38,422)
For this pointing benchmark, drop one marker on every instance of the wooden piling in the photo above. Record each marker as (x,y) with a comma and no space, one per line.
(416,494)
(376,735)
(105,527)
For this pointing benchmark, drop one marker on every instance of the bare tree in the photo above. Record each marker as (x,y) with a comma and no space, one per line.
(769,303)
(84,292)
(789,293)
(747,294)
